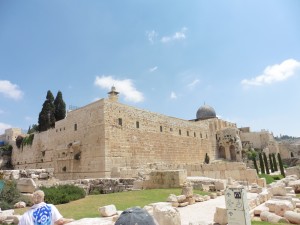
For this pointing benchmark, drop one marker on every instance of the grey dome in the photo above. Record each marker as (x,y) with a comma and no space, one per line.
(206,112)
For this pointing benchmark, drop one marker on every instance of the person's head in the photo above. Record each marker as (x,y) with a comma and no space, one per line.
(38,196)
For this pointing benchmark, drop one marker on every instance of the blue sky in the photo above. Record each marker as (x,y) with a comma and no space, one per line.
(169,57)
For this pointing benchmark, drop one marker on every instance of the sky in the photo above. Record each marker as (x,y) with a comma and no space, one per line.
(169,57)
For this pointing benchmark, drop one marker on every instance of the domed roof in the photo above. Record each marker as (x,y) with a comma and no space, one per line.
(206,112)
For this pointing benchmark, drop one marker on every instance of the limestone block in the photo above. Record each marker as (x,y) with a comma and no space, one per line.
(172,198)
(14,218)
(198,198)
(206,197)
(167,215)
(272,218)
(292,217)
(34,176)
(278,189)
(108,210)
(199,223)
(220,216)
(295,185)
(213,195)
(183,204)
(263,197)
(187,191)
(279,207)
(191,200)
(261,182)
(259,209)
(43,176)
(181,198)
(220,185)
(15,174)
(26,185)
(20,205)
(298,205)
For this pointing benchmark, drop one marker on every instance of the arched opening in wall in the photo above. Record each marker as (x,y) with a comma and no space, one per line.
(292,154)
(232,153)
(222,152)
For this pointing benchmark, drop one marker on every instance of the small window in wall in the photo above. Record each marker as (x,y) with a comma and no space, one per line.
(171,129)
(200,135)
(194,134)
(206,136)
(179,132)
(187,133)
(216,137)
(75,126)
(137,124)
(160,128)
(120,121)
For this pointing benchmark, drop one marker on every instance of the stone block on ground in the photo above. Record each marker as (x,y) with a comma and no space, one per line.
(108,210)
(220,216)
(26,185)
(259,209)
(292,217)
(272,218)
(167,215)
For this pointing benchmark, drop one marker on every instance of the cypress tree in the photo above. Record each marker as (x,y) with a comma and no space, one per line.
(271,163)
(60,107)
(266,163)
(46,116)
(261,163)
(280,165)
(274,162)
(255,165)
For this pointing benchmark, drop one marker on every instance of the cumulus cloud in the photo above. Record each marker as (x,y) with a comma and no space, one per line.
(125,87)
(3,127)
(152,36)
(194,83)
(10,90)
(274,73)
(173,95)
(179,35)
(153,69)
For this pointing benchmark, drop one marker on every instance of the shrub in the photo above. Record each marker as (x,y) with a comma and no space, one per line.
(19,141)
(11,195)
(63,194)
(28,140)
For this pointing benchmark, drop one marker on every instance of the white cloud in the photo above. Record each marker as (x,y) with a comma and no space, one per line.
(173,95)
(193,84)
(152,36)
(125,87)
(3,127)
(153,69)
(274,73)
(180,35)
(10,90)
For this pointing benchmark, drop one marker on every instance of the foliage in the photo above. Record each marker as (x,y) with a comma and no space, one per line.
(271,163)
(266,163)
(251,154)
(63,194)
(10,195)
(28,140)
(280,165)
(19,141)
(46,116)
(6,150)
(274,162)
(60,107)
(261,163)
(32,129)
(255,165)
(206,160)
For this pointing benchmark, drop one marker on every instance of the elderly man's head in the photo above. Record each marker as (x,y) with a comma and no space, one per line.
(38,197)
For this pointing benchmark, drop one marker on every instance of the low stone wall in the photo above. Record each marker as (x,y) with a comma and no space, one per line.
(293,171)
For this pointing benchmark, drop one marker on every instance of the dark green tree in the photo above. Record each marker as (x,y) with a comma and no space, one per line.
(280,165)
(255,165)
(46,116)
(271,163)
(60,107)
(32,129)
(266,163)
(261,163)
(274,162)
